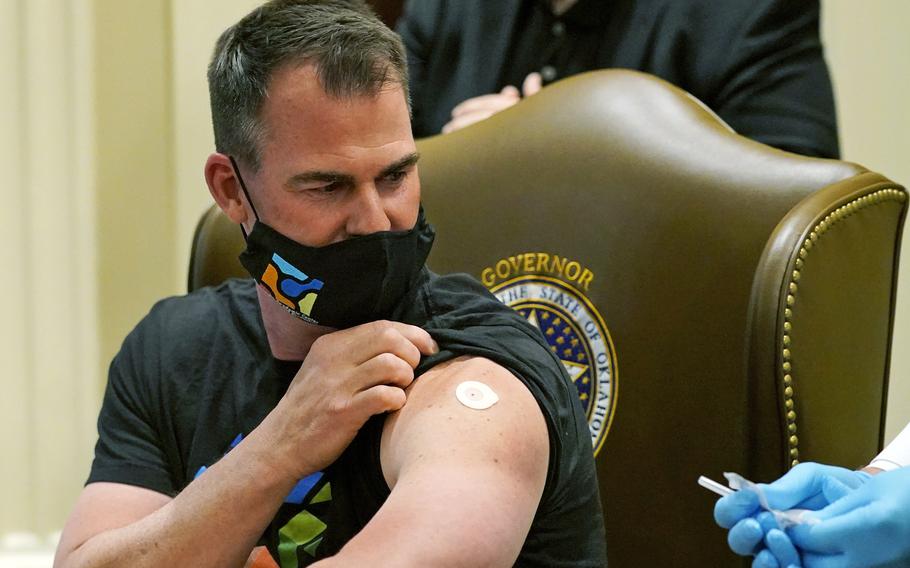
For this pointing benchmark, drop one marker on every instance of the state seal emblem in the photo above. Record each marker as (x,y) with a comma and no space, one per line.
(546,290)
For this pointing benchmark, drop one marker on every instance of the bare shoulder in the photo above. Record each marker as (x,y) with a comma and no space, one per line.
(469,409)
(446,460)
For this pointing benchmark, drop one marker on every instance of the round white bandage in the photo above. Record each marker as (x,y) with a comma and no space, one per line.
(476,395)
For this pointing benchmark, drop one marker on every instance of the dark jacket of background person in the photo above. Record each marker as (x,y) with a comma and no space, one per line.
(757,63)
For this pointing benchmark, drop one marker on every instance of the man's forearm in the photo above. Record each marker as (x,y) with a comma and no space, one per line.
(215,521)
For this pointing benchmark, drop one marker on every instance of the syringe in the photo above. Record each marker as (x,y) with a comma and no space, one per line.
(714,486)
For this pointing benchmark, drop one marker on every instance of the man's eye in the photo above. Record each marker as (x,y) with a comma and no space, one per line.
(327,188)
(395,177)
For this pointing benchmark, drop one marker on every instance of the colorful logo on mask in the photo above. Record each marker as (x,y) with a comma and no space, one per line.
(291,286)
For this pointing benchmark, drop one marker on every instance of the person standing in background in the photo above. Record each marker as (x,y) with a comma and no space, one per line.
(758,64)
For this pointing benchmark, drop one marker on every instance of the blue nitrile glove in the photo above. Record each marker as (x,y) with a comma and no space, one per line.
(806,486)
(869,526)
(779,551)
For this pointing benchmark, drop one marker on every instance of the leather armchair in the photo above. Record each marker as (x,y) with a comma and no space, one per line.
(721,305)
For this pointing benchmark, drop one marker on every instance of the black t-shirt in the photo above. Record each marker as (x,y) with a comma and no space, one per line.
(196,376)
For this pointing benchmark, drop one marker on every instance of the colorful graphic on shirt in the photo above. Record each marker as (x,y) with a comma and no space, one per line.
(540,287)
(301,536)
(290,285)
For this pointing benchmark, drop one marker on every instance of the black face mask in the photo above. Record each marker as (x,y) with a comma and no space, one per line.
(340,285)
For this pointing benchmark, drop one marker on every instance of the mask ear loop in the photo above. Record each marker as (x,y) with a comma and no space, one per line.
(245,192)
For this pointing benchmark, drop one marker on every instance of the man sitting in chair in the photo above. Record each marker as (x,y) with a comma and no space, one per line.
(348,407)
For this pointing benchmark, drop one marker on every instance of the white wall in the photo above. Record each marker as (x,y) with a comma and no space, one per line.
(868,51)
(49,338)
(196,27)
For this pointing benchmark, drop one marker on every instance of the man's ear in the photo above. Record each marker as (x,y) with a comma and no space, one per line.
(225,188)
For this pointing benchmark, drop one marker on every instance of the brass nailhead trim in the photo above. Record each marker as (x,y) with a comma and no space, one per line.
(815,234)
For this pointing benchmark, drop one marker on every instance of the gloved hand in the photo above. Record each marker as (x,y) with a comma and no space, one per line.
(807,486)
(868,526)
(780,552)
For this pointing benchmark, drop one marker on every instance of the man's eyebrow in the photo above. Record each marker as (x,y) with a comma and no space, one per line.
(324,176)
(401,164)
(329,176)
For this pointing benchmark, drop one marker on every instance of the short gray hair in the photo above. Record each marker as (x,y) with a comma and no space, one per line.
(353,52)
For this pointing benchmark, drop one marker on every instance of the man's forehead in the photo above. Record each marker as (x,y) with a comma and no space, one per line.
(305,129)
(300,83)
(295,96)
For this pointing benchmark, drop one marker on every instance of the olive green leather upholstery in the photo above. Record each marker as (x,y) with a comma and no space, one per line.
(748,292)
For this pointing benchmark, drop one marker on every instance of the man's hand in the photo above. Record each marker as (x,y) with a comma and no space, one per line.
(483,107)
(347,377)
(753,532)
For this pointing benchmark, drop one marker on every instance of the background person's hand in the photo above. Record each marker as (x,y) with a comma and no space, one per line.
(480,108)
(867,526)
(809,485)
(347,377)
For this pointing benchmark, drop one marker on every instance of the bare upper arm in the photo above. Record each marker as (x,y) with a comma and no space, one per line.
(102,507)
(459,475)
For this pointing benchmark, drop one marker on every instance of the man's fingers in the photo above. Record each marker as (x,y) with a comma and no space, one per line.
(499,100)
(386,369)
(403,340)
(532,84)
(392,333)
(480,108)
(465,120)
(379,399)
(418,337)
(510,90)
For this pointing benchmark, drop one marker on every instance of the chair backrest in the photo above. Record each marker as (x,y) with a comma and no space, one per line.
(721,305)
